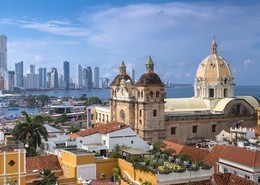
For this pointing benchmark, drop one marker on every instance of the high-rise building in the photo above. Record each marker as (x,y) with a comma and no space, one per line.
(96,77)
(10,81)
(85,78)
(133,74)
(32,69)
(42,77)
(19,74)
(3,53)
(89,77)
(54,81)
(100,84)
(79,76)
(31,81)
(106,83)
(66,74)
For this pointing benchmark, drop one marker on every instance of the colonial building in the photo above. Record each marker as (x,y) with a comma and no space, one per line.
(213,108)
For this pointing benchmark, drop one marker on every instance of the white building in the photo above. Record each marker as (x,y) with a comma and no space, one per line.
(240,161)
(103,138)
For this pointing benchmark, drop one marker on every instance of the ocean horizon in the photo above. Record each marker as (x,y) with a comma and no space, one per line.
(173,92)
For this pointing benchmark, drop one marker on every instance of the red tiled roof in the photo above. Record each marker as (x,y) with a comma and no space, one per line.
(195,153)
(213,155)
(202,182)
(231,179)
(102,129)
(245,157)
(42,162)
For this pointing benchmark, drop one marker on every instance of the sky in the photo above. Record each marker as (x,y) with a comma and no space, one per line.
(176,34)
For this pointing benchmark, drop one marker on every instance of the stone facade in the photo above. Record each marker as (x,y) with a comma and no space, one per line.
(213,108)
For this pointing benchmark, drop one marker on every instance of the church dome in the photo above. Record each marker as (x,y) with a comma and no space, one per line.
(149,77)
(214,67)
(121,75)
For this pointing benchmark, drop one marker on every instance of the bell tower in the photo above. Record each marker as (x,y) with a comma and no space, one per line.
(122,100)
(149,108)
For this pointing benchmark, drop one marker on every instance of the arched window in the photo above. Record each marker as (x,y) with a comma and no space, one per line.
(151,94)
(142,94)
(140,122)
(138,94)
(157,94)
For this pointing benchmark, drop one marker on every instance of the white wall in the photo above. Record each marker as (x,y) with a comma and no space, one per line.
(124,137)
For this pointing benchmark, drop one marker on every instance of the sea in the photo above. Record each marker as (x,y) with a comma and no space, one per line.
(104,94)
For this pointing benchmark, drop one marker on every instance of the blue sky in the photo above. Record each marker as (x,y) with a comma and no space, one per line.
(177,34)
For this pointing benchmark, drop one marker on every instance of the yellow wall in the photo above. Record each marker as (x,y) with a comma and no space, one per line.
(136,174)
(105,166)
(12,171)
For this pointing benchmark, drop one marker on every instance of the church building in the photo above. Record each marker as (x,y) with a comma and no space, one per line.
(214,107)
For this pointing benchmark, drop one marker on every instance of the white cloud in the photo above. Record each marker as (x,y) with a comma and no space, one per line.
(247,62)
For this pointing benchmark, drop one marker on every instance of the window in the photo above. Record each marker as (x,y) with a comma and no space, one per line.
(225,93)
(173,130)
(140,122)
(247,177)
(157,94)
(258,180)
(132,142)
(213,129)
(211,93)
(238,109)
(92,116)
(151,94)
(235,172)
(140,113)
(225,170)
(154,113)
(194,129)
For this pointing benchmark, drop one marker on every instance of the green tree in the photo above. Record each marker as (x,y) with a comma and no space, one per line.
(31,100)
(43,99)
(47,178)
(29,131)
(73,129)
(92,101)
(61,119)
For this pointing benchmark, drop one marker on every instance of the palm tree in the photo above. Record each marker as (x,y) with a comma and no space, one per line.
(30,131)
(47,178)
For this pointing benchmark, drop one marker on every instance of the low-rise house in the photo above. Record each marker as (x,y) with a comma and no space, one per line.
(236,134)
(240,161)
(105,137)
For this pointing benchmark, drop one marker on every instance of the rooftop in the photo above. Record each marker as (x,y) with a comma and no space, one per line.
(102,129)
(39,163)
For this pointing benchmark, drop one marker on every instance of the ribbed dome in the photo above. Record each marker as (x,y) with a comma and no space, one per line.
(119,77)
(214,67)
(122,75)
(149,77)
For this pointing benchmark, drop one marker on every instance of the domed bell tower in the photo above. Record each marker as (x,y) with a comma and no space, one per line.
(122,100)
(214,79)
(149,115)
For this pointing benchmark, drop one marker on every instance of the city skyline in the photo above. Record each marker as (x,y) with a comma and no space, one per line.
(177,34)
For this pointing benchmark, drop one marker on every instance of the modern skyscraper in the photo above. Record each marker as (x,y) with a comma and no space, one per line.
(79,76)
(66,74)
(96,77)
(19,74)
(32,69)
(106,83)
(42,77)
(85,78)
(89,76)
(10,86)
(3,53)
(54,83)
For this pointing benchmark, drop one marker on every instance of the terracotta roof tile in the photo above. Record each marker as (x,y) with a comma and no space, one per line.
(102,129)
(42,162)
(202,182)
(231,179)
(195,153)
(246,157)
(213,155)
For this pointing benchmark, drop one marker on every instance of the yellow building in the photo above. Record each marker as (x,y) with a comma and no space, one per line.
(76,163)
(12,163)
